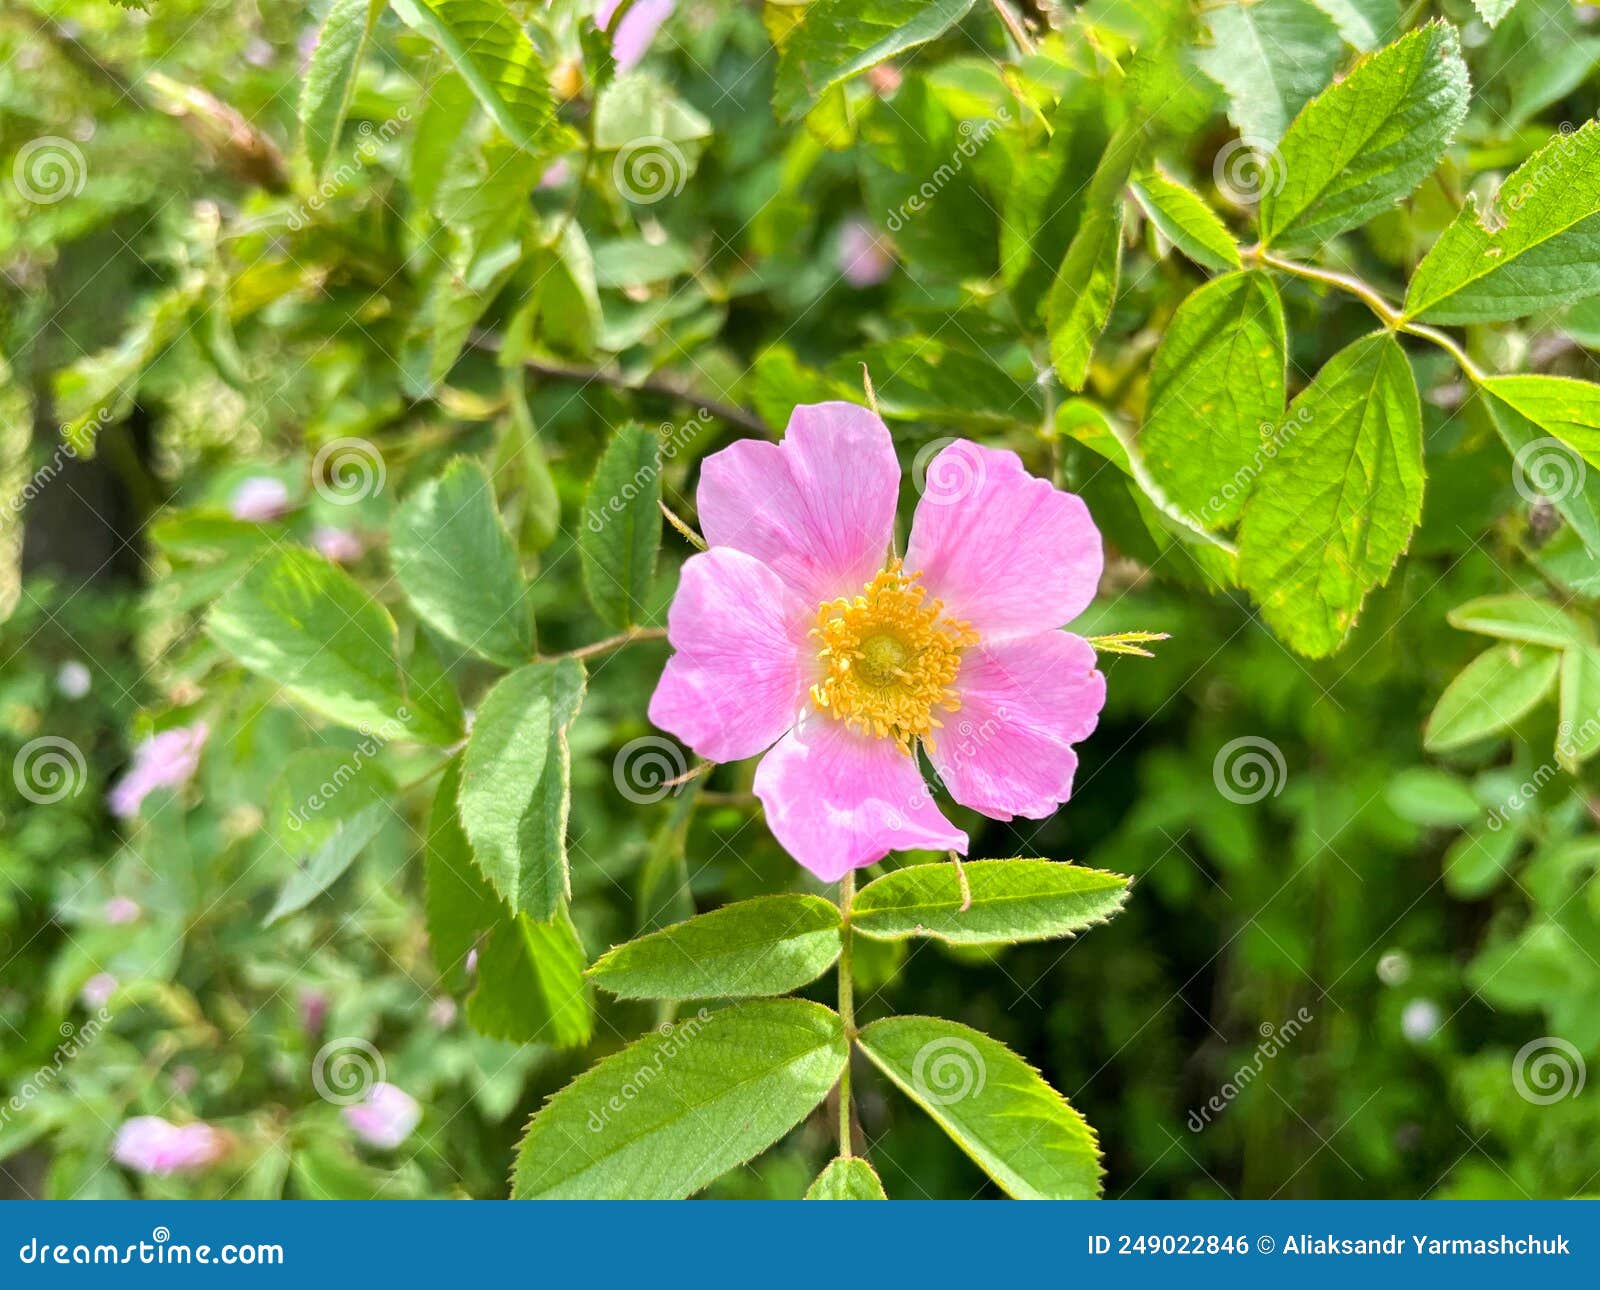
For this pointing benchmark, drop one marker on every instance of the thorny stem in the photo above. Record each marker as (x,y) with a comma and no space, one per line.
(611,643)
(847,1006)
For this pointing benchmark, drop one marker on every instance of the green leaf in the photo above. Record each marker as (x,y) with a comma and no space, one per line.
(1544,468)
(845,1178)
(458,903)
(494,56)
(298,620)
(515,785)
(1537,247)
(769,945)
(455,561)
(1270,57)
(996,1108)
(1336,506)
(1519,618)
(672,1111)
(1492,11)
(1432,798)
(1215,414)
(330,804)
(1366,24)
(531,987)
(1365,143)
(1183,218)
(1083,292)
(621,533)
(837,39)
(437,137)
(1487,696)
(1011,900)
(330,79)
(1477,861)
(1560,406)
(1578,737)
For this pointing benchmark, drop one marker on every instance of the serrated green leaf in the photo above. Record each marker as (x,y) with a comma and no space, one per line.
(849,1178)
(328,806)
(1519,618)
(1270,58)
(330,79)
(1083,292)
(1546,468)
(1365,143)
(1491,693)
(1182,217)
(459,905)
(531,985)
(515,785)
(495,58)
(298,620)
(1334,509)
(769,945)
(454,559)
(621,533)
(1010,900)
(1215,415)
(1578,737)
(1558,405)
(1536,247)
(672,1111)
(1492,11)
(837,39)
(995,1107)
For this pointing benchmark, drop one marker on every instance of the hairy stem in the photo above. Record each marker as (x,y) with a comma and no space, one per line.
(611,643)
(847,1007)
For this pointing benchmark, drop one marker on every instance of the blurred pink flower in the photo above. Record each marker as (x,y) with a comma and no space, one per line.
(97,990)
(797,633)
(259,499)
(864,257)
(339,545)
(631,40)
(119,910)
(556,174)
(151,1145)
(162,761)
(387,1116)
(442,1012)
(313,1011)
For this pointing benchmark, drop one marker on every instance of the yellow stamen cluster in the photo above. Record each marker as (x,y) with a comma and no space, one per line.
(889,657)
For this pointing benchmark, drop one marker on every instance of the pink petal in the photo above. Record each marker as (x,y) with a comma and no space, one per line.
(631,40)
(818,507)
(863,259)
(1006,551)
(738,680)
(837,800)
(1024,703)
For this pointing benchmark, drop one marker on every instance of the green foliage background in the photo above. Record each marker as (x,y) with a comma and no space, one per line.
(353,271)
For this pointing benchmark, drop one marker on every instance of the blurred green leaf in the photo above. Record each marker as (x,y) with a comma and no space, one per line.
(621,533)
(1501,685)
(330,79)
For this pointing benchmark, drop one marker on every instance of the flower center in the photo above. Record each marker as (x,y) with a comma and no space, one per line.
(889,657)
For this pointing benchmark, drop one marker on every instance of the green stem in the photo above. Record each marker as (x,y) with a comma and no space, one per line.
(611,643)
(847,1007)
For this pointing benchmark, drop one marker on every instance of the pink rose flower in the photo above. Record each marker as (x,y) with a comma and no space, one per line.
(97,990)
(387,1116)
(864,259)
(631,40)
(798,634)
(162,761)
(339,545)
(120,910)
(259,499)
(151,1145)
